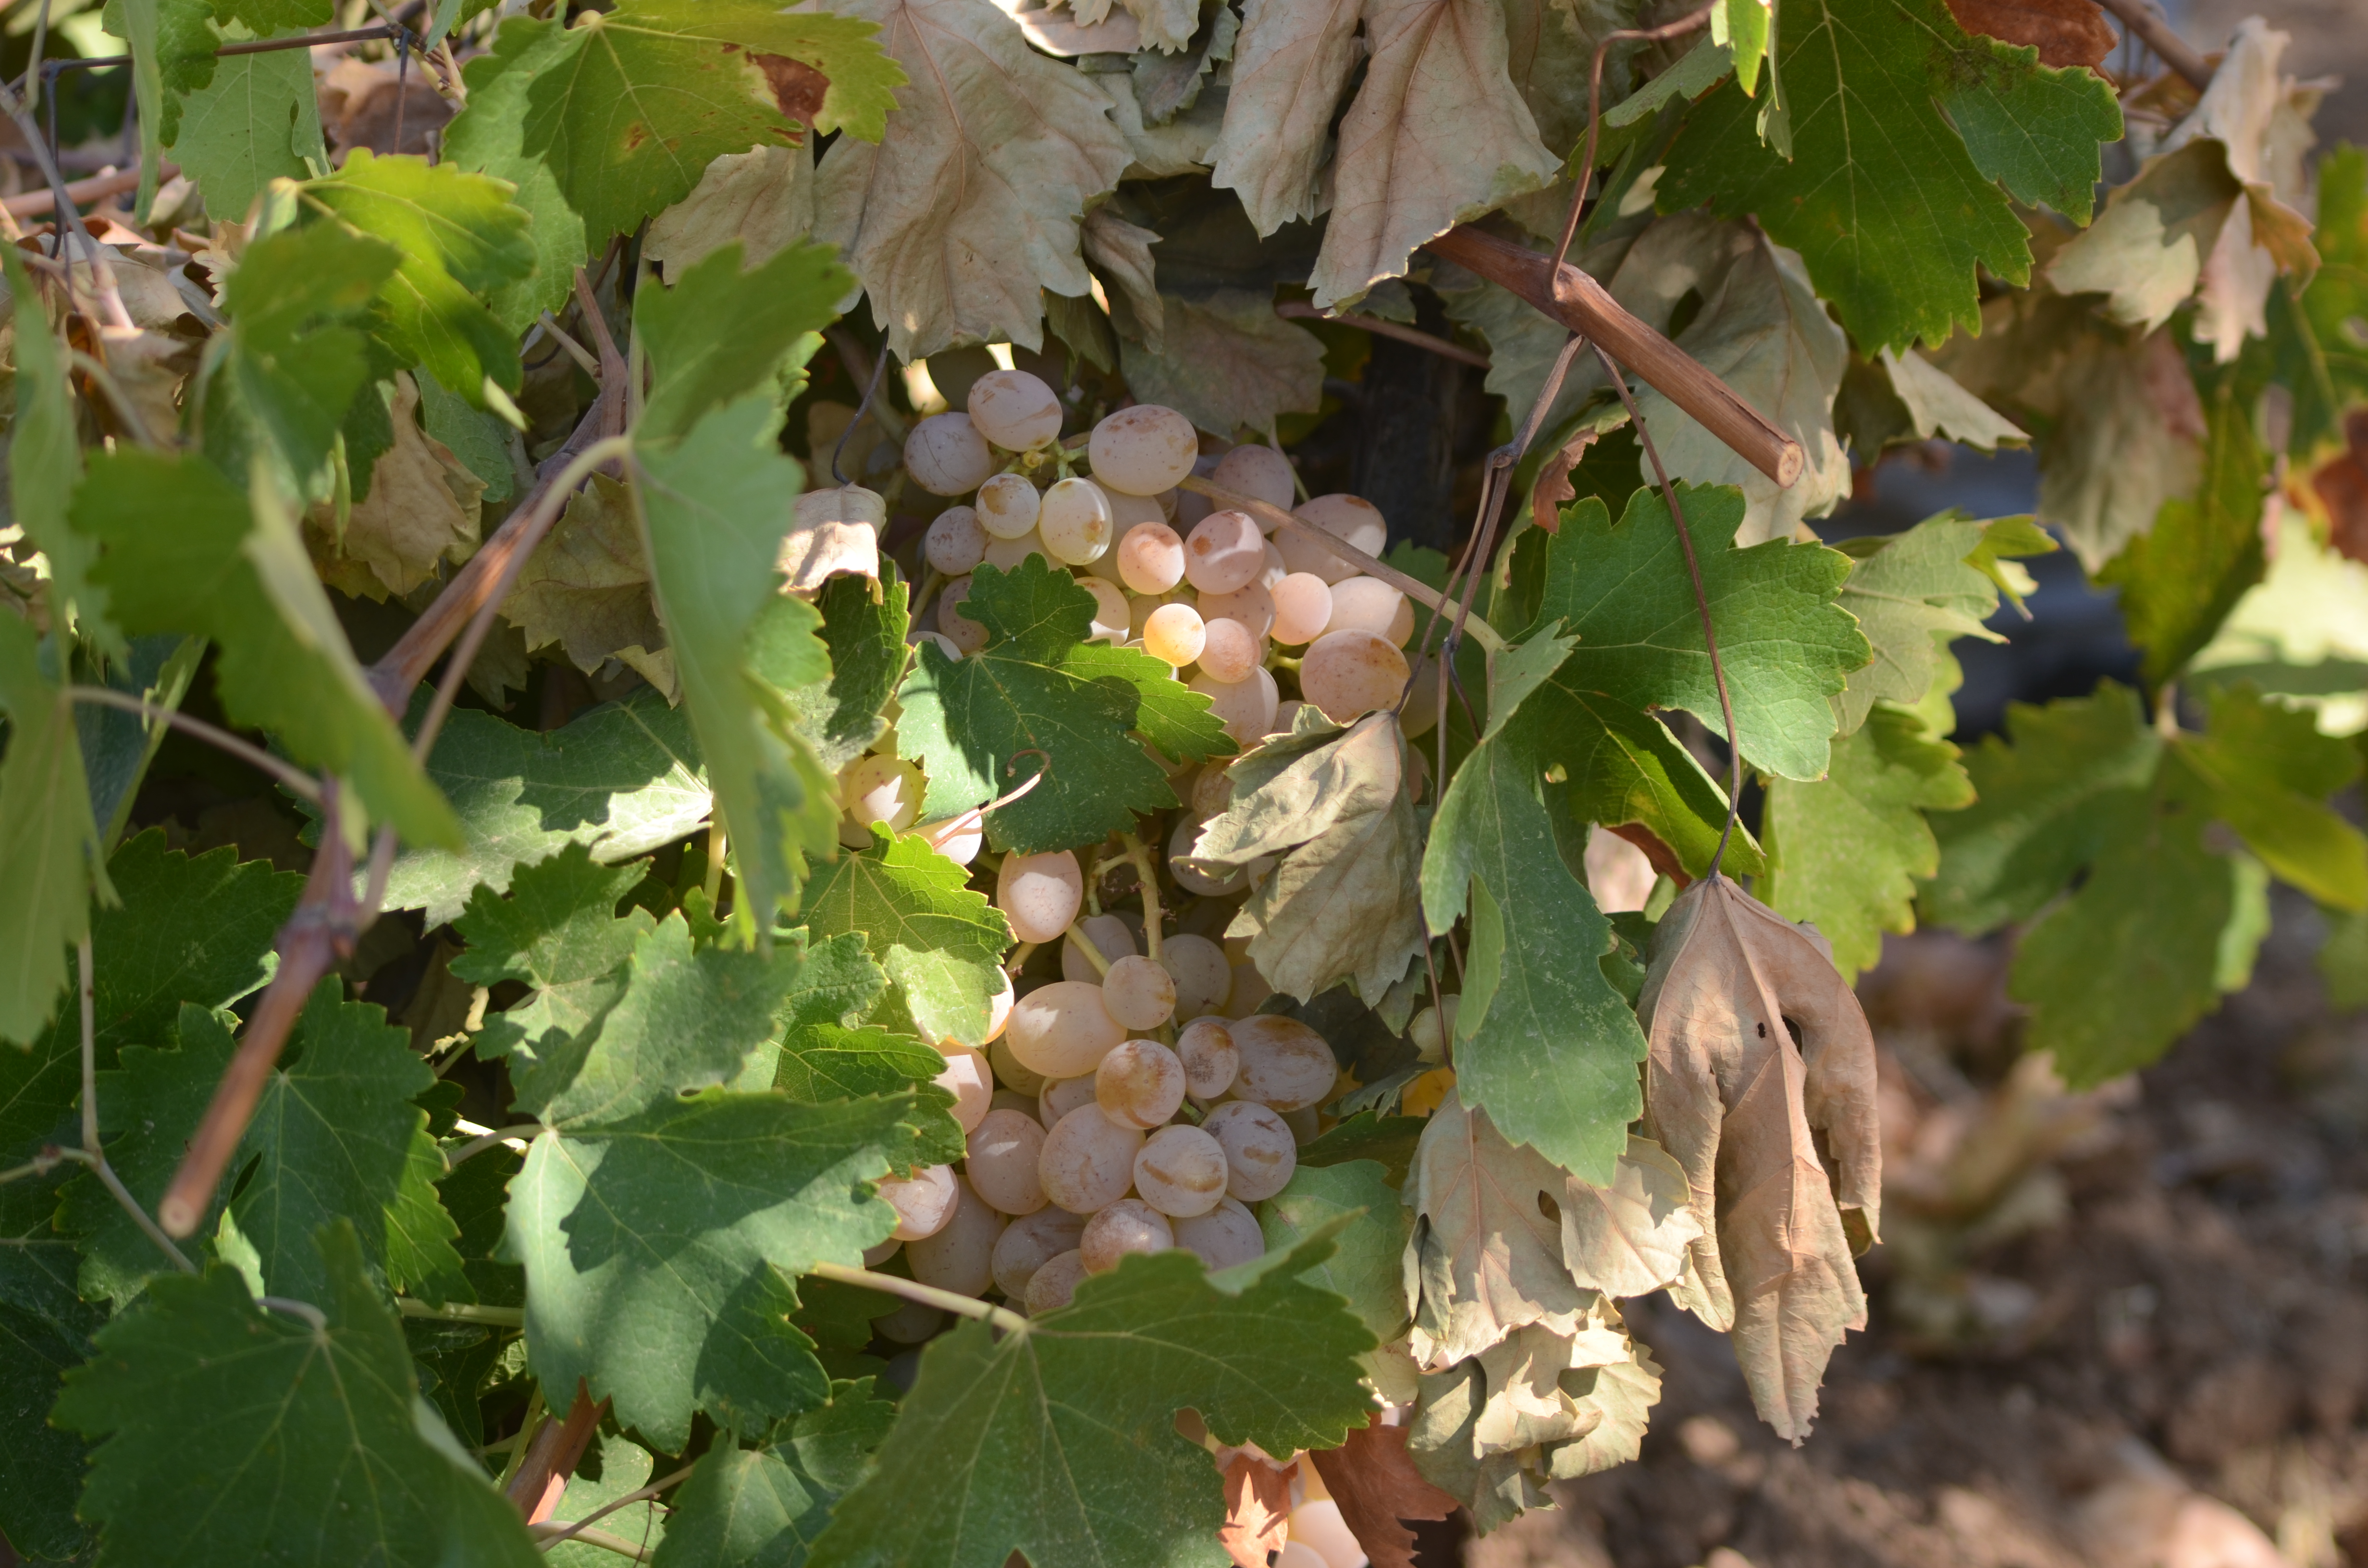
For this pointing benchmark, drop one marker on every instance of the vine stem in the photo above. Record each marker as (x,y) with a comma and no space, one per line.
(1140,854)
(1678,28)
(926,1295)
(484,1142)
(1084,945)
(604,1539)
(551,1535)
(1300,310)
(2154,33)
(551,1459)
(92,1154)
(295,780)
(462,1311)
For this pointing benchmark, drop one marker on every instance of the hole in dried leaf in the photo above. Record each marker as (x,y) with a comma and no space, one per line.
(1549,1208)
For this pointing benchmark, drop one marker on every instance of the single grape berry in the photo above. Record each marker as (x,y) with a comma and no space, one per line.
(1014,410)
(1143,449)
(1039,895)
(947,456)
(1140,1083)
(1139,993)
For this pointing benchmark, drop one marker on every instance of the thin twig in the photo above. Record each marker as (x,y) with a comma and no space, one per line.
(98,1165)
(870,395)
(1084,946)
(576,351)
(2156,33)
(926,1295)
(1300,310)
(551,1534)
(293,1308)
(89,999)
(607,1541)
(125,409)
(478,1145)
(36,204)
(1678,28)
(110,299)
(462,1311)
(295,779)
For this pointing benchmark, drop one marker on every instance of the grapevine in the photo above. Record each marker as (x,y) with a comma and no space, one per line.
(728,836)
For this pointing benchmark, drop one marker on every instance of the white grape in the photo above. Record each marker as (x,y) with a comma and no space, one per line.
(1014,410)
(1012,1073)
(1303,608)
(1257,471)
(1062,1096)
(1140,1083)
(1316,1525)
(1012,1099)
(1348,518)
(1030,1242)
(1180,848)
(883,790)
(1151,558)
(924,1201)
(1432,1029)
(1039,893)
(1260,1153)
(1252,606)
(1062,1029)
(1229,651)
(1126,510)
(1173,634)
(1143,449)
(1245,708)
(1305,1124)
(1285,1064)
(1206,1049)
(1008,505)
(1140,993)
(1076,522)
(1052,1287)
(959,839)
(1110,936)
(938,640)
(1006,555)
(998,1007)
(1001,1154)
(1286,716)
(1129,1225)
(1422,704)
(1225,552)
(1349,672)
(910,1323)
(956,541)
(1088,1160)
(1110,610)
(1250,990)
(1368,604)
(1223,1237)
(960,629)
(947,456)
(1180,1171)
(1213,790)
(959,1257)
(881,1252)
(968,1078)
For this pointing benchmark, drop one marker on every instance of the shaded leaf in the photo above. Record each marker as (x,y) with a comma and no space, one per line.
(1366,1266)
(1630,1235)
(2267,772)
(422,511)
(762,200)
(1290,63)
(49,845)
(1226,361)
(942,943)
(1376,1485)
(257,120)
(763,1508)
(587,588)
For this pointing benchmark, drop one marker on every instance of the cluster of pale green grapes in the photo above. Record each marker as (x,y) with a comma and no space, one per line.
(1140,1102)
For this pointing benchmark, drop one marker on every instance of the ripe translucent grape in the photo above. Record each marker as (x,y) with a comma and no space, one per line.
(1051,1287)
(1126,510)
(1368,604)
(1285,1064)
(1062,1029)
(1203,975)
(959,1257)
(1008,505)
(1229,651)
(1062,1096)
(1151,558)
(1173,633)
(1348,518)
(1129,1225)
(1422,706)
(1250,989)
(1253,608)
(1030,1242)
(1039,893)
(956,541)
(1258,471)
(1110,611)
(1247,707)
(1225,552)
(1088,1160)
(910,1323)
(1014,410)
(1303,608)
(1076,522)
(1349,672)
(1223,1237)
(938,640)
(1004,554)
(881,1252)
(1432,1029)
(1180,1171)
(1139,993)
(882,790)
(947,456)
(968,1078)
(1001,1154)
(1143,449)
(1206,1049)
(1212,791)
(1260,1153)
(959,629)
(998,1007)
(923,1202)
(1111,937)
(1140,1083)
(1012,1075)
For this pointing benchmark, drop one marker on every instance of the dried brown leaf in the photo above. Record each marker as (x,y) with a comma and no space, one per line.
(422,510)
(2067,32)
(1748,1113)
(1554,487)
(1257,1511)
(2342,487)
(1632,1236)
(1290,63)
(1376,1484)
(763,197)
(587,589)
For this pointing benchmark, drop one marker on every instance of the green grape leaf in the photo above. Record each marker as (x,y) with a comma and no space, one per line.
(763,1508)
(1389,1141)
(2179,582)
(490,137)
(478,440)
(649,1244)
(2044,805)
(1913,592)
(257,120)
(44,1333)
(942,943)
(172,44)
(342,1464)
(461,237)
(620,778)
(1172,716)
(268,17)
(713,509)
(50,851)
(45,459)
(1847,851)
(1035,685)
(1622,766)
(1366,1268)
(681,1019)
(2343,961)
(2318,354)
(718,332)
(827,1052)
(616,1467)
(1059,1442)
(1624,591)
(840,715)
(1904,127)
(1544,1044)
(559,932)
(184,553)
(2267,772)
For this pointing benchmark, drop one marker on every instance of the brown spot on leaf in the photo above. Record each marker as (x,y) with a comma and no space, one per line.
(797,87)
(636,136)
(2068,32)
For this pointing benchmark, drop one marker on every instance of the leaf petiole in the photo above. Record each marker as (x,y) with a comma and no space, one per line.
(926,1295)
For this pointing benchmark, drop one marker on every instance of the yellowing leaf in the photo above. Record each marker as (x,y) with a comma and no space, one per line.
(969,208)
(422,510)
(1631,1235)
(1226,361)
(763,197)
(1748,1113)
(587,588)
(1290,63)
